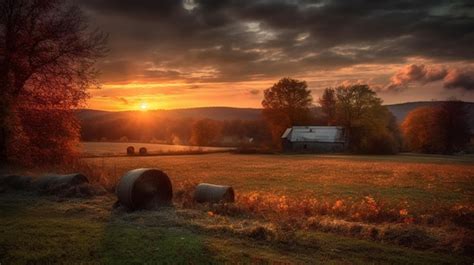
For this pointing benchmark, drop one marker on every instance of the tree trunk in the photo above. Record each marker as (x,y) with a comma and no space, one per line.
(5,128)
(4,135)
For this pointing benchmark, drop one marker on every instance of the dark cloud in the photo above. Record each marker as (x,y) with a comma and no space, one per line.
(244,39)
(119,99)
(254,92)
(451,77)
(458,79)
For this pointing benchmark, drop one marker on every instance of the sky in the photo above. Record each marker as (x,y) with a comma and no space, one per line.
(170,54)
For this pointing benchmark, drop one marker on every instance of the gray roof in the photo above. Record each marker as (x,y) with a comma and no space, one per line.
(328,134)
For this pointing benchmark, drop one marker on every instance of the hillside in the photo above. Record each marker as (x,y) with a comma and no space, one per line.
(215,113)
(227,113)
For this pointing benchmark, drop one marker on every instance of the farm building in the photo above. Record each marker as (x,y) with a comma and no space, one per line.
(315,139)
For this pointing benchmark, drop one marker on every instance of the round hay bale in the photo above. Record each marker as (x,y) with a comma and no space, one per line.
(144,188)
(206,192)
(15,181)
(54,182)
(130,150)
(142,151)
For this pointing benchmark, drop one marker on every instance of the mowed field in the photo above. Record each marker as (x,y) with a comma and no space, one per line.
(333,209)
(120,149)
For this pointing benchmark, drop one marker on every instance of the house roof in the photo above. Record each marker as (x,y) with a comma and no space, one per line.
(328,134)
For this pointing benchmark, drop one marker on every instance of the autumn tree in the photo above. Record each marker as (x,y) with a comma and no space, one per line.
(328,105)
(369,126)
(47,54)
(205,132)
(437,129)
(287,103)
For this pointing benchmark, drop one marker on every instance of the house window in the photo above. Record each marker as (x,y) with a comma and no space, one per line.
(305,146)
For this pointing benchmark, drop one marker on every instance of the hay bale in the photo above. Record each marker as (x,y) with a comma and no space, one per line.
(84,190)
(206,192)
(59,182)
(143,151)
(144,188)
(15,182)
(130,150)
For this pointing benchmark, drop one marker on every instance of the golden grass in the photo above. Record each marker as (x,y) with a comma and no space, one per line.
(417,204)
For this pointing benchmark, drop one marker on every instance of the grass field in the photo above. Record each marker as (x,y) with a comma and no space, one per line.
(402,209)
(117,149)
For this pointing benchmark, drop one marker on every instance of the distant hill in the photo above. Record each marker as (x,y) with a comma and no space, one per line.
(215,113)
(92,118)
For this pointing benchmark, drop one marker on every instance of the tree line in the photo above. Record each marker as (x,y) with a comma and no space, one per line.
(370,127)
(182,131)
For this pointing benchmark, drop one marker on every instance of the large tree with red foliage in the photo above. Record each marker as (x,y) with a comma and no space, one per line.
(437,129)
(47,54)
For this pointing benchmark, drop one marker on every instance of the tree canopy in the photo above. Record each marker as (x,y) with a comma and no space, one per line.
(328,105)
(287,103)
(437,129)
(370,127)
(47,57)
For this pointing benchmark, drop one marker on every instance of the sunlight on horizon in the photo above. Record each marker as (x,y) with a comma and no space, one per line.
(144,106)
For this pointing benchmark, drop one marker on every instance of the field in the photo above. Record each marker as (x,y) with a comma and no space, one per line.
(117,149)
(403,209)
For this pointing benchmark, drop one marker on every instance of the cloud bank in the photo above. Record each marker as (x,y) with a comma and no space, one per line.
(452,78)
(251,39)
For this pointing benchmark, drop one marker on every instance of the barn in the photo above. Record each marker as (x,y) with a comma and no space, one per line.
(314,139)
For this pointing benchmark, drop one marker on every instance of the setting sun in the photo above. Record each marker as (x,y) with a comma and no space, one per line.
(144,106)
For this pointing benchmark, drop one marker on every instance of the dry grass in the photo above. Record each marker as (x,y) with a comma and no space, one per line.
(423,205)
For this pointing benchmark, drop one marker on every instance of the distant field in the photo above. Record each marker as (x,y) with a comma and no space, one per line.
(114,148)
(329,209)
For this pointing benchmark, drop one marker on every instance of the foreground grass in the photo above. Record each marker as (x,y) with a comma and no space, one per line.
(420,184)
(37,230)
(44,230)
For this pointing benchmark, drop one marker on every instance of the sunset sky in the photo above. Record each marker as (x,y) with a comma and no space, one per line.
(178,54)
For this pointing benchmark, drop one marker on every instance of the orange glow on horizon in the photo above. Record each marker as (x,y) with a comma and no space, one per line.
(142,95)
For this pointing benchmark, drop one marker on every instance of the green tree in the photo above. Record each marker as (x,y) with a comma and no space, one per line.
(367,123)
(287,103)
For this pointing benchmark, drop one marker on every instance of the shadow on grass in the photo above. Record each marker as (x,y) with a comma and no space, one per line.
(43,230)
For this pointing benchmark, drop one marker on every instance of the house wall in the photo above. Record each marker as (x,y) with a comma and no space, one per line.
(313,147)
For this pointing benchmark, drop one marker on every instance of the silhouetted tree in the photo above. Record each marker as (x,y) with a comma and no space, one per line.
(285,104)
(454,119)
(47,53)
(328,105)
